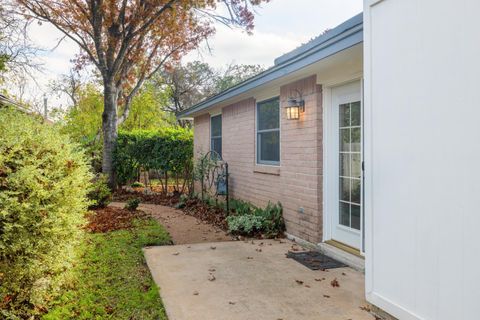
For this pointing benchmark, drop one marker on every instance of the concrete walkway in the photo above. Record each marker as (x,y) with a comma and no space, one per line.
(251,281)
(181,227)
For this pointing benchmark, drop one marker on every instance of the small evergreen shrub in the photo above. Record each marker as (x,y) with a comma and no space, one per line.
(273,223)
(250,220)
(44,180)
(100,194)
(182,202)
(132,204)
(137,184)
(241,207)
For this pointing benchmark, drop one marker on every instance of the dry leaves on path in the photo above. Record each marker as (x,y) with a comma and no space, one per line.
(335,283)
(111,219)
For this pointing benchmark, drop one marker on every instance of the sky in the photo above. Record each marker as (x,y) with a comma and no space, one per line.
(280,26)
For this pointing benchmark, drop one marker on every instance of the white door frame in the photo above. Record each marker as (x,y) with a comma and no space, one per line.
(330,169)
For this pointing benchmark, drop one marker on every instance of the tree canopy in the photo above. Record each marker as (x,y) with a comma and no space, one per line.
(129,41)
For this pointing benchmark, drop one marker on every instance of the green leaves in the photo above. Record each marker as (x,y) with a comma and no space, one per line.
(169,150)
(44,180)
(250,220)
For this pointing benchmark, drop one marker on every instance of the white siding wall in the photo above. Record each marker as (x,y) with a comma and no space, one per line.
(422,119)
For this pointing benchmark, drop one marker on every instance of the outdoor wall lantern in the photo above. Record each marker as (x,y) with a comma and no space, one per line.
(294,107)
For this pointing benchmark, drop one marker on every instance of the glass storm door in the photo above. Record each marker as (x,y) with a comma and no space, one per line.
(347,220)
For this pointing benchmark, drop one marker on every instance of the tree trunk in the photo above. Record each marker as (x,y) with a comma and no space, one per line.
(109,127)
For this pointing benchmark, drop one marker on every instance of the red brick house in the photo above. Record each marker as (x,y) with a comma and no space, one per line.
(275,154)
(381,157)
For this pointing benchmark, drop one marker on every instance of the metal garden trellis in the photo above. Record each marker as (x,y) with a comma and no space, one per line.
(216,176)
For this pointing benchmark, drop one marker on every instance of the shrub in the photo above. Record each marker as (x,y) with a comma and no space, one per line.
(273,223)
(132,204)
(241,207)
(137,184)
(169,152)
(44,180)
(100,194)
(246,224)
(249,220)
(182,202)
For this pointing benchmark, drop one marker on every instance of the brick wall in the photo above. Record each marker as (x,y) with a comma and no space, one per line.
(201,139)
(298,181)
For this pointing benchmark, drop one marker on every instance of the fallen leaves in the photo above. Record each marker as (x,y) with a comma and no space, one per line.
(211,277)
(111,219)
(365,308)
(213,248)
(176,253)
(334,283)
(195,293)
(299,282)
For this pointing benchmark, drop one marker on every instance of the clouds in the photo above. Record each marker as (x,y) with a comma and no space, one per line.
(232,45)
(281,26)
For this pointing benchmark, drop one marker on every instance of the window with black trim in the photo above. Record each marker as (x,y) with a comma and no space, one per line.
(216,134)
(268,132)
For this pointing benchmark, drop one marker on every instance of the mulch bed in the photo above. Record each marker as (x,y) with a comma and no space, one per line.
(193,207)
(111,219)
(198,209)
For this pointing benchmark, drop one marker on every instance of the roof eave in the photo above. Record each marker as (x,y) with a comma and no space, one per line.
(350,35)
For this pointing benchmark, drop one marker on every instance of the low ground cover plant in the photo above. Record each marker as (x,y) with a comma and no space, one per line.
(44,180)
(249,220)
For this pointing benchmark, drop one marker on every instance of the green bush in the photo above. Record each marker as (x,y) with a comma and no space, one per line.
(100,194)
(137,184)
(169,152)
(44,180)
(249,220)
(182,201)
(241,207)
(132,204)
(246,224)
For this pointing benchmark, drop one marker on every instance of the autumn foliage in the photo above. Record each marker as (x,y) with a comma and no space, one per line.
(130,40)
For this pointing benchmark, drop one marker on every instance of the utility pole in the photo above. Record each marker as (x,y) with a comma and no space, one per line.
(45,106)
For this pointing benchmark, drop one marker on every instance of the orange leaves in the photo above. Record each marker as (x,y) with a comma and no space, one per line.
(129,40)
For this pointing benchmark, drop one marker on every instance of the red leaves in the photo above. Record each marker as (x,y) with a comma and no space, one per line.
(111,218)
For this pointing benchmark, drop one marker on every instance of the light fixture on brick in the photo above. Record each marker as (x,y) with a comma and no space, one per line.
(295,106)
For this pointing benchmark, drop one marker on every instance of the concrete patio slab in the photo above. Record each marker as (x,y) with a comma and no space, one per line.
(251,280)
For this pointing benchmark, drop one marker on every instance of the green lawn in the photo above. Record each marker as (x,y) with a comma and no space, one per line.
(112,280)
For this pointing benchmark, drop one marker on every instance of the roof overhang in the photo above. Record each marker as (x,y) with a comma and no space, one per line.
(6,102)
(342,37)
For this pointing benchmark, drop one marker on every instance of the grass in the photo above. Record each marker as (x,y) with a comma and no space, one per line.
(112,280)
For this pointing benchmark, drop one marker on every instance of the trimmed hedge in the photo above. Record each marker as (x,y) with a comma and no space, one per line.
(168,151)
(44,180)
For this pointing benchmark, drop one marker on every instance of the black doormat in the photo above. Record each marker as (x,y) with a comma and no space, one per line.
(314,260)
